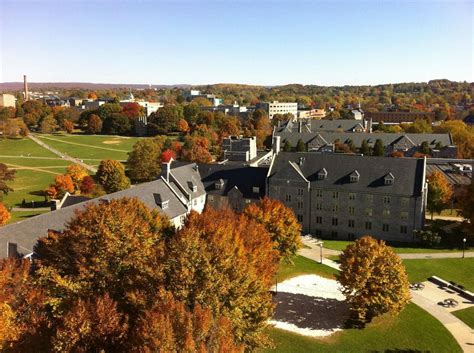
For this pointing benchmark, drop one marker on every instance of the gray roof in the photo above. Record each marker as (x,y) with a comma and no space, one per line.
(187,174)
(407,172)
(357,138)
(234,175)
(446,166)
(342,125)
(25,233)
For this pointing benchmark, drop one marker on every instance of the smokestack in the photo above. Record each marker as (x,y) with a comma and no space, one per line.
(276,144)
(25,86)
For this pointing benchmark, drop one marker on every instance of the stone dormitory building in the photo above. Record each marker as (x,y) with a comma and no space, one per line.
(323,135)
(336,196)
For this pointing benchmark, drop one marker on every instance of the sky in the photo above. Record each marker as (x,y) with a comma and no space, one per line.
(251,42)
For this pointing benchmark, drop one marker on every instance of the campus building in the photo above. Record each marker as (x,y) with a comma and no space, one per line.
(276,107)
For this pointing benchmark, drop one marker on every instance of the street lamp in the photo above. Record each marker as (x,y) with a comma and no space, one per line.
(321,252)
(463,246)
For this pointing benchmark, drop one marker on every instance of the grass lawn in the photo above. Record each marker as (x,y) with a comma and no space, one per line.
(414,330)
(23,147)
(303,266)
(465,315)
(341,245)
(91,146)
(19,216)
(457,270)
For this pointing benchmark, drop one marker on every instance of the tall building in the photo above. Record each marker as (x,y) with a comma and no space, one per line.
(276,107)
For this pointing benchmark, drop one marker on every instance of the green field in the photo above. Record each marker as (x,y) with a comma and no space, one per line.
(36,166)
(457,270)
(303,266)
(414,330)
(340,245)
(465,315)
(91,147)
(21,215)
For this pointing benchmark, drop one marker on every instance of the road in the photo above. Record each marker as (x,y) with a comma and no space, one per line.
(62,155)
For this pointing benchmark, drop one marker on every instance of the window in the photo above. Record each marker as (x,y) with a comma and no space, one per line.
(256,189)
(351,236)
(335,194)
(389,179)
(385,227)
(300,205)
(210,198)
(334,221)
(403,229)
(195,202)
(351,223)
(404,201)
(386,213)
(318,232)
(319,206)
(319,193)
(386,200)
(368,225)
(404,215)
(164,204)
(288,198)
(334,234)
(354,176)
(319,219)
(300,218)
(369,198)
(368,212)
(351,209)
(322,174)
(352,196)
(300,192)
(248,201)
(335,208)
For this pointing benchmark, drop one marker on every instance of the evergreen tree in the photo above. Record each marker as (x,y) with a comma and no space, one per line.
(379,148)
(300,146)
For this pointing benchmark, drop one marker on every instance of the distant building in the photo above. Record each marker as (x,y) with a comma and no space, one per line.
(311,114)
(7,100)
(238,148)
(75,102)
(340,196)
(398,117)
(276,107)
(337,125)
(192,94)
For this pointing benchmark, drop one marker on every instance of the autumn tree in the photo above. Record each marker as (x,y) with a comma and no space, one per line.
(167,155)
(281,224)
(77,174)
(183,126)
(94,124)
(133,110)
(6,175)
(111,175)
(62,184)
(144,162)
(439,192)
(196,149)
(373,279)
(5,216)
(166,119)
(87,185)
(68,126)
(224,262)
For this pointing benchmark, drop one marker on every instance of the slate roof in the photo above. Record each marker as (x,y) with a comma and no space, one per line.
(188,174)
(408,172)
(234,175)
(445,166)
(357,138)
(74,199)
(25,233)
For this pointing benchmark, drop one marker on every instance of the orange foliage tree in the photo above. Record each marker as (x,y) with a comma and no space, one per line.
(281,224)
(4,215)
(183,126)
(68,126)
(77,174)
(196,149)
(439,192)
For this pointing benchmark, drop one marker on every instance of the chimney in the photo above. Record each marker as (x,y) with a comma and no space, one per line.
(276,144)
(25,87)
(300,125)
(166,169)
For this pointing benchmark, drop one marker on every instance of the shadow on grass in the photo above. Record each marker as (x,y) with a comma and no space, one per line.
(309,312)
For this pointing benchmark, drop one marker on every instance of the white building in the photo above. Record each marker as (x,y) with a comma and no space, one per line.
(7,100)
(276,107)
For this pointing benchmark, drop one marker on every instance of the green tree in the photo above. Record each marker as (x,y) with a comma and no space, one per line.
(300,146)
(425,148)
(48,125)
(364,148)
(166,119)
(287,146)
(439,193)
(116,124)
(106,110)
(144,162)
(111,175)
(373,279)
(379,148)
(6,175)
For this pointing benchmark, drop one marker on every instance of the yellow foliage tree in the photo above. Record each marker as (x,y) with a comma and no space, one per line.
(373,279)
(77,174)
(4,215)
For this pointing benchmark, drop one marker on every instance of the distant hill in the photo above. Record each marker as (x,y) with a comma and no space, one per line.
(14,86)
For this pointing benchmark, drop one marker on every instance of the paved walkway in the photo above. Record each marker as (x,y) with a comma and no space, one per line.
(437,255)
(62,155)
(463,334)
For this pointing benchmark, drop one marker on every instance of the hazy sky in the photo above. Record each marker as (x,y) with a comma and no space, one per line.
(255,42)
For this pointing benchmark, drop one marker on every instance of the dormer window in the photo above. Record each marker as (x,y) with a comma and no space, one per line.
(389,179)
(256,190)
(354,176)
(192,185)
(322,174)
(219,184)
